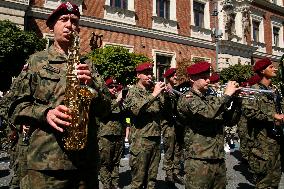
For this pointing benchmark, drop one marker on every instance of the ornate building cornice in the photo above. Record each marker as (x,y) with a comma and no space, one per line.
(270,5)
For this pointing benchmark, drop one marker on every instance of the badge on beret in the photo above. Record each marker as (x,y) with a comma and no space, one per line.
(69,7)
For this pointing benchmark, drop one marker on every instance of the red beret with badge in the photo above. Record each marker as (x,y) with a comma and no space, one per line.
(261,64)
(64,8)
(144,66)
(198,68)
(110,81)
(169,72)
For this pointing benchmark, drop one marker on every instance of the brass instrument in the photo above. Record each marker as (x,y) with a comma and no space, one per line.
(77,99)
(245,92)
(172,90)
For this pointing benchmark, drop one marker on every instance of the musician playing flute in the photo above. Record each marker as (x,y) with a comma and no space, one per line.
(145,103)
(203,117)
(265,121)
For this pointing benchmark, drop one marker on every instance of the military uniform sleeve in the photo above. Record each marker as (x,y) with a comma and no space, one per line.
(138,104)
(252,110)
(194,106)
(27,108)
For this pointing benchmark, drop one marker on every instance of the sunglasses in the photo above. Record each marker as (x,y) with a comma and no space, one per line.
(112,86)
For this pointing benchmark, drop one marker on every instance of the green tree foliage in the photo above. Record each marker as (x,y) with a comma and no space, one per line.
(238,72)
(117,62)
(16,46)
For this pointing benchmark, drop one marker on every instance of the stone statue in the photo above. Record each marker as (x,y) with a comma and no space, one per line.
(246,24)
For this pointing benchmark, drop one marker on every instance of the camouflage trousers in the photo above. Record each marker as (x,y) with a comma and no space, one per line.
(111,150)
(265,164)
(144,162)
(60,179)
(169,140)
(19,163)
(172,151)
(201,174)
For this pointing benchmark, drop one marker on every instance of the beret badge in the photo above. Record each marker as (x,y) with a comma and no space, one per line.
(69,7)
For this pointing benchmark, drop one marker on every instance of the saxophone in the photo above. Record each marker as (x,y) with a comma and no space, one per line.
(78,99)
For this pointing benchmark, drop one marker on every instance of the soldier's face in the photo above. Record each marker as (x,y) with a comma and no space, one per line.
(201,81)
(270,71)
(173,80)
(64,25)
(112,89)
(145,77)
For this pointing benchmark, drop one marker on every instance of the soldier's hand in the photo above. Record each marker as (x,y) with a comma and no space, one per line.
(279,118)
(159,87)
(58,117)
(84,74)
(231,88)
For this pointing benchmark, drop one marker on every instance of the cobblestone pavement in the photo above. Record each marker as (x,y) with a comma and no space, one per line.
(237,175)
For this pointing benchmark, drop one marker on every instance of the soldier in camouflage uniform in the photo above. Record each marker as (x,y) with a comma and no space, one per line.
(245,133)
(145,105)
(39,105)
(17,148)
(111,136)
(172,149)
(261,114)
(203,118)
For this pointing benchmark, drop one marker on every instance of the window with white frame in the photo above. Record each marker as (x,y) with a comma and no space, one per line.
(119,3)
(255,30)
(198,12)
(120,11)
(163,8)
(276,36)
(164,15)
(163,61)
(200,19)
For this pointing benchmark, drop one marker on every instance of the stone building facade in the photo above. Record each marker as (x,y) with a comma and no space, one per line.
(170,31)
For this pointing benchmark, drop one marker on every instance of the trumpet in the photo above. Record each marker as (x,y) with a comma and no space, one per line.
(245,92)
(172,90)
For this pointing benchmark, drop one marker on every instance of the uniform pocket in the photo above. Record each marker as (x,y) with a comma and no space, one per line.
(45,86)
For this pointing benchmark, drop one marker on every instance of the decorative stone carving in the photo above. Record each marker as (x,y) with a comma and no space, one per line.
(246,24)
(229,19)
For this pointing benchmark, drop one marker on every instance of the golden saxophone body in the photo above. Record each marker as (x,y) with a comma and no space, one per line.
(78,99)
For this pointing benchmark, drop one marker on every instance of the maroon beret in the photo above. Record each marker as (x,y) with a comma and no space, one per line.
(251,81)
(214,78)
(198,68)
(110,81)
(261,64)
(144,66)
(64,8)
(169,72)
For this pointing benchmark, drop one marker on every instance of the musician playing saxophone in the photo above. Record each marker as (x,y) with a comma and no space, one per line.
(40,105)
(262,117)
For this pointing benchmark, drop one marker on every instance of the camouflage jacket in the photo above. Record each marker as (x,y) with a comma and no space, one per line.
(42,88)
(113,124)
(259,113)
(203,118)
(146,112)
